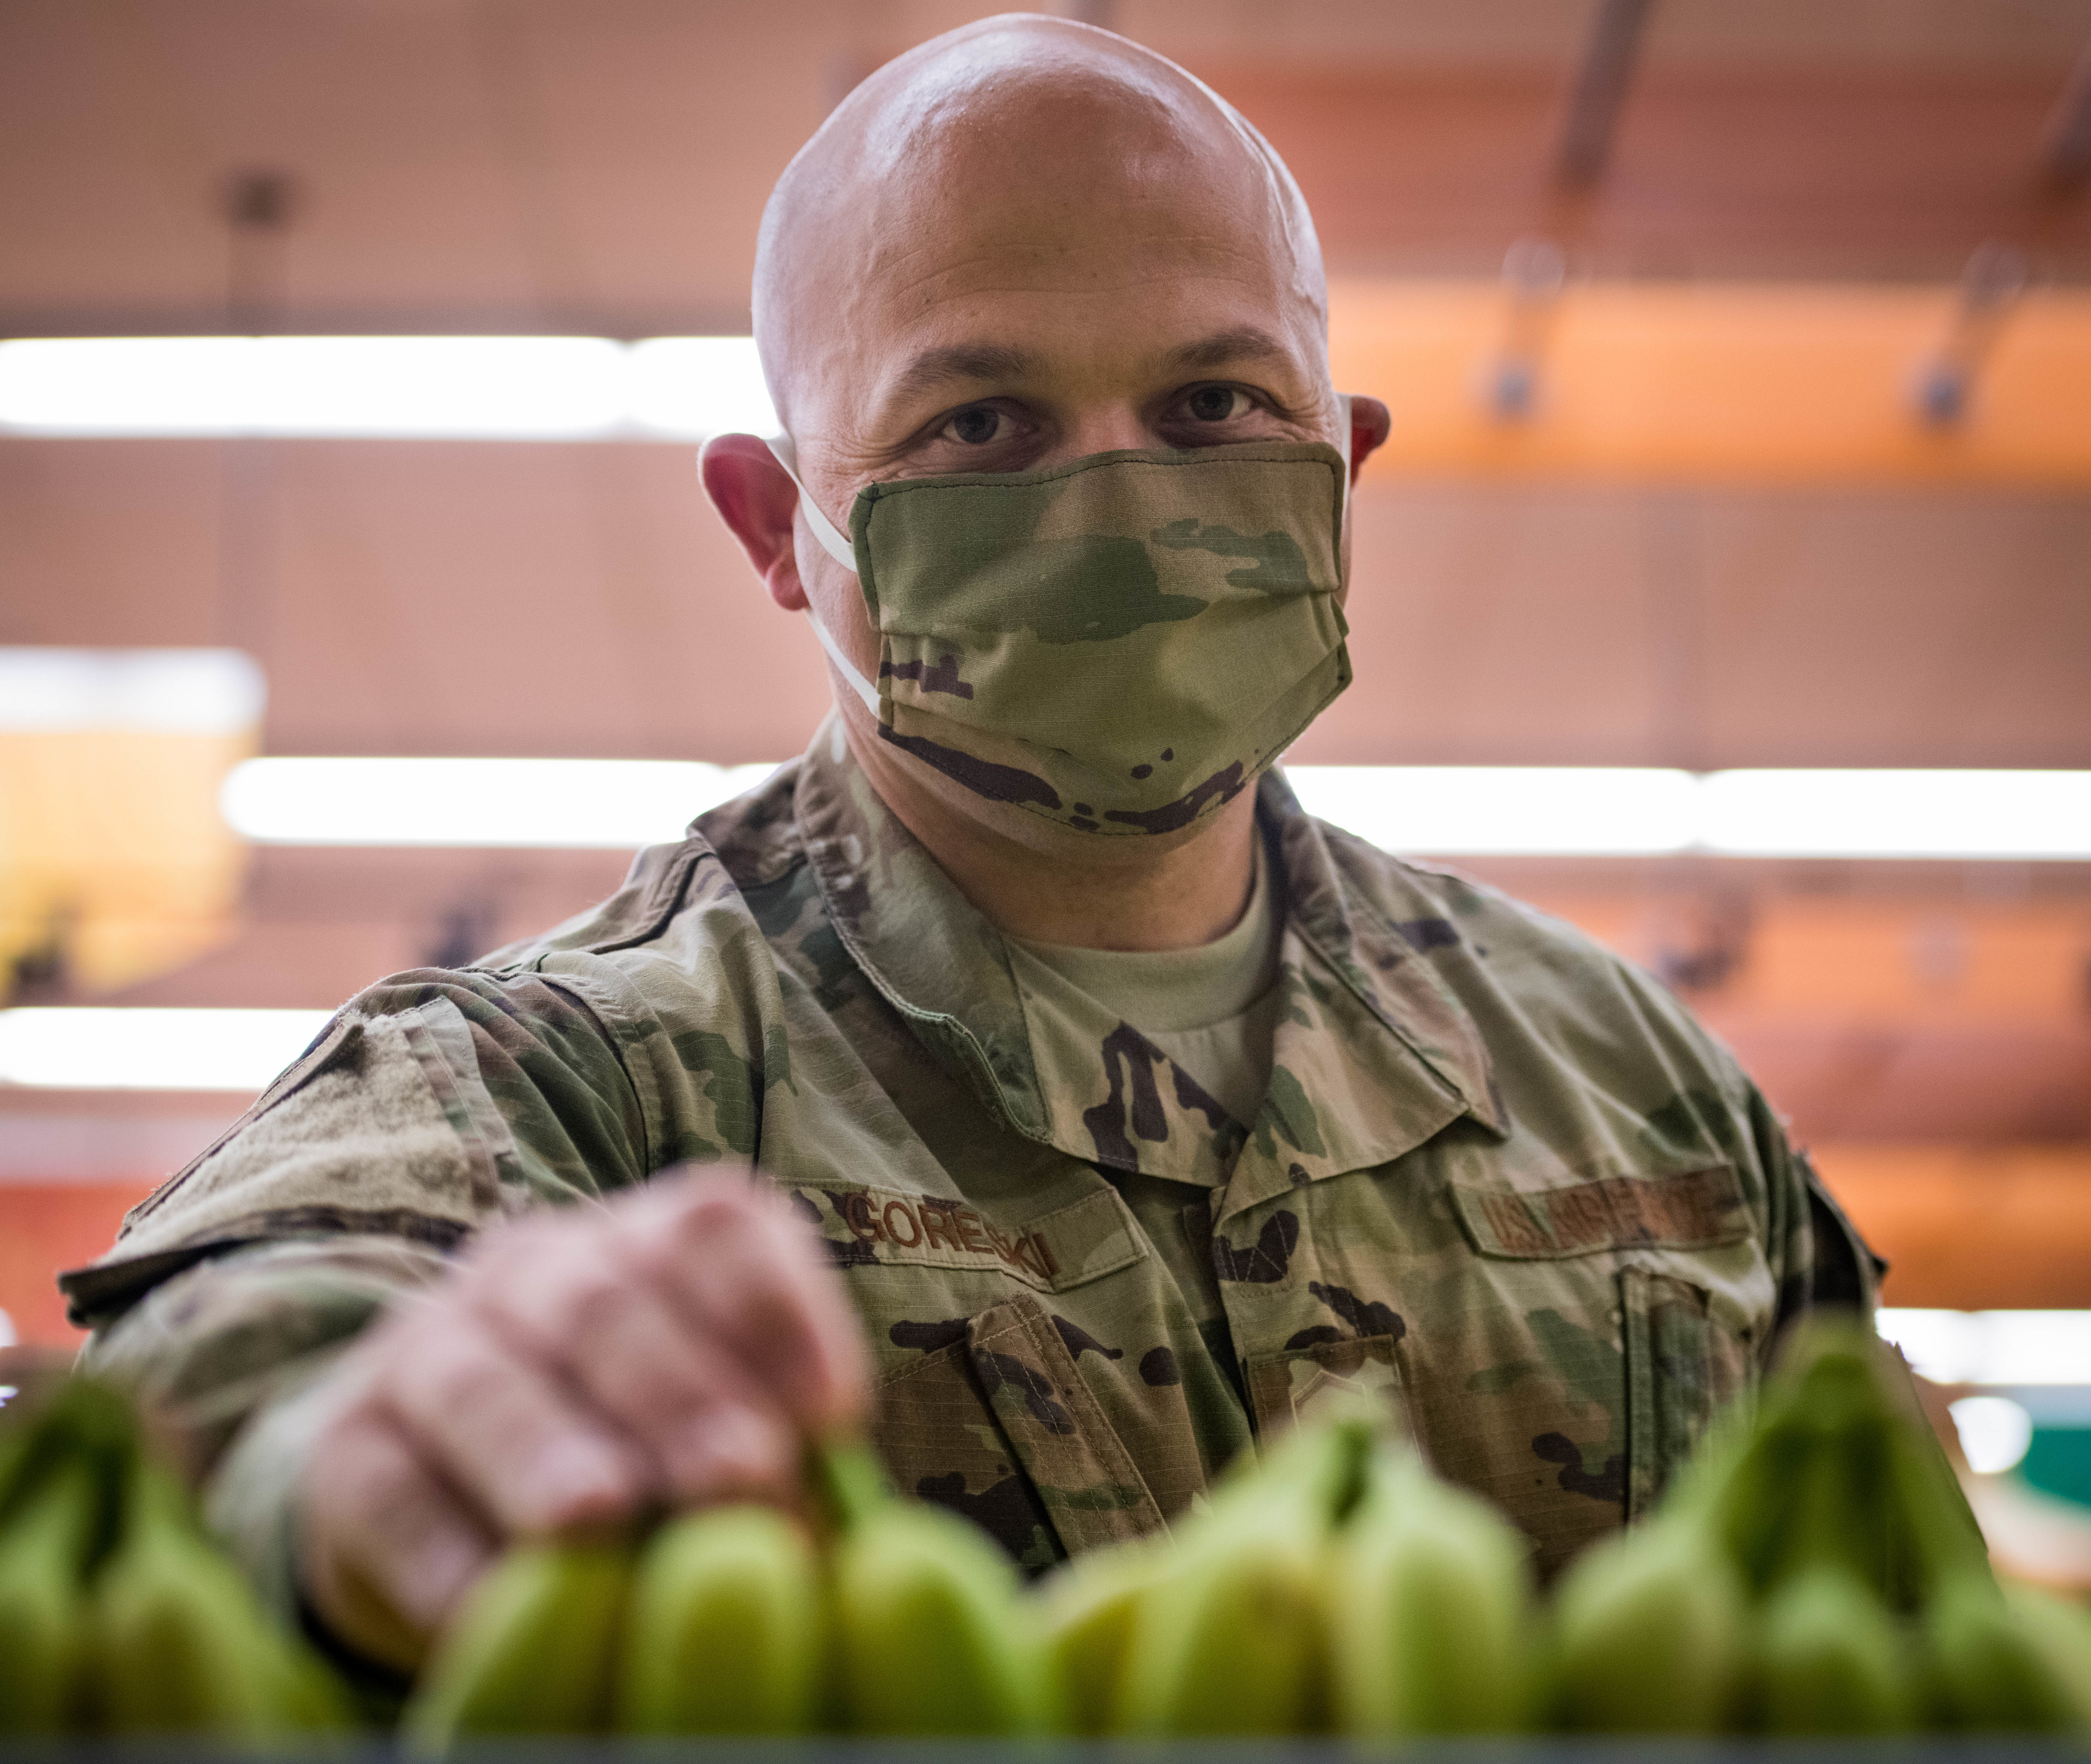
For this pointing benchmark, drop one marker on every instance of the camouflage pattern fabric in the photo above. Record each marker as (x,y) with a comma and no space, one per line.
(1501,1181)
(1012,607)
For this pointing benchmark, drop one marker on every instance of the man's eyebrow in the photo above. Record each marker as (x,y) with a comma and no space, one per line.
(1242,342)
(939,367)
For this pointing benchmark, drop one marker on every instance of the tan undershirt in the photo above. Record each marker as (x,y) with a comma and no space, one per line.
(1213,1009)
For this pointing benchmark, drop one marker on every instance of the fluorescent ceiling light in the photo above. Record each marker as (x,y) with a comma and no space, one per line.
(2005,1348)
(1882,813)
(1451,811)
(1994,1432)
(488,388)
(613,804)
(1492,808)
(187,692)
(693,386)
(82,1047)
(1572,811)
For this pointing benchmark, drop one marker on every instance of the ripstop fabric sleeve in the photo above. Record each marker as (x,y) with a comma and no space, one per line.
(434,1104)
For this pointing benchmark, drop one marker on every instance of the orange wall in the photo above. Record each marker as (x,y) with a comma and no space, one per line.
(45,1227)
(1967,1227)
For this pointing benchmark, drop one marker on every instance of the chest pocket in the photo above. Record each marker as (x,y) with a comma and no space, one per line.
(997,1424)
(1598,1329)
(1285,1389)
(1682,1367)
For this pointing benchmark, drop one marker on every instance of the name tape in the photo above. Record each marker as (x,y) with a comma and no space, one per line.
(1072,1245)
(1695,1210)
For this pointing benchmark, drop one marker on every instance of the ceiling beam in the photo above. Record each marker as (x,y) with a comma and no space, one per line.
(1600,91)
(2068,147)
(1722,383)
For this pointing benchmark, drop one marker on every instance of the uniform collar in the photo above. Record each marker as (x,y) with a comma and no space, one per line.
(1374,1053)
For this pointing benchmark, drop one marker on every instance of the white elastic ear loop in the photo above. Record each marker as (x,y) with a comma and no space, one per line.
(834,540)
(837,547)
(1343,420)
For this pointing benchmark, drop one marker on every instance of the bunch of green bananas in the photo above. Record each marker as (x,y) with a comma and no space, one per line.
(117,1615)
(1815,1570)
(898,1618)
(1337,1584)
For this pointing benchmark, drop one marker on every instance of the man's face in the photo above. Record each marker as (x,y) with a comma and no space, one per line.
(1078,277)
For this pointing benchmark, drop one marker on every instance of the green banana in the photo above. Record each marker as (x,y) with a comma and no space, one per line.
(1801,1487)
(1430,1618)
(725,1633)
(180,1646)
(533,1650)
(931,1634)
(1088,1610)
(2058,1630)
(1651,1634)
(1936,1541)
(1831,1660)
(1229,1637)
(1989,1673)
(43,1605)
(1837,1465)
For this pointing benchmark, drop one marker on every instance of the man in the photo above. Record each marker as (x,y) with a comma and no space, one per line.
(1106,1112)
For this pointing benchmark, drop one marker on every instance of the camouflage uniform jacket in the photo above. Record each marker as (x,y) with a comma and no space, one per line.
(1501,1179)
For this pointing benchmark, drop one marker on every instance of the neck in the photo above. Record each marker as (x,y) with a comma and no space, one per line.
(1129,894)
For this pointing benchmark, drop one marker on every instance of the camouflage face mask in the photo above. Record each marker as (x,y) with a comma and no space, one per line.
(1120,644)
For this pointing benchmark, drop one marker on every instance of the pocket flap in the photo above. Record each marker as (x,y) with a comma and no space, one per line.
(1080,1468)
(1697,1209)
(941,1442)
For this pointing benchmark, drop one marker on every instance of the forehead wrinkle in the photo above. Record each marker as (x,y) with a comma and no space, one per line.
(1224,266)
(1238,342)
(935,368)
(986,112)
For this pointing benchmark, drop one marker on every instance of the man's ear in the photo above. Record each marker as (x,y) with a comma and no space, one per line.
(755,498)
(1370,424)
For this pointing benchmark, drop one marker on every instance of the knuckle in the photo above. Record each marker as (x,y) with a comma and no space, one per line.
(455,1374)
(590,1307)
(551,1296)
(648,1256)
(387,1479)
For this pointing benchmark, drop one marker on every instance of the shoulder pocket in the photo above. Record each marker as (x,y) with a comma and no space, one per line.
(339,1043)
(1694,1210)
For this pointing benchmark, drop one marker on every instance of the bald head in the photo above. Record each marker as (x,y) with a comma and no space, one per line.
(1025,245)
(1019,155)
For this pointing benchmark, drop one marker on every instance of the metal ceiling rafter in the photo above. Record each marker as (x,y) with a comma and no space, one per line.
(1599,91)
(2067,157)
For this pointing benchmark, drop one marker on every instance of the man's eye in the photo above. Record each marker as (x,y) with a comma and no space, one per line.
(976,425)
(1217,403)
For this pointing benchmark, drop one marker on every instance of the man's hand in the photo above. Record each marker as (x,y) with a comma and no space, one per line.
(675,1346)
